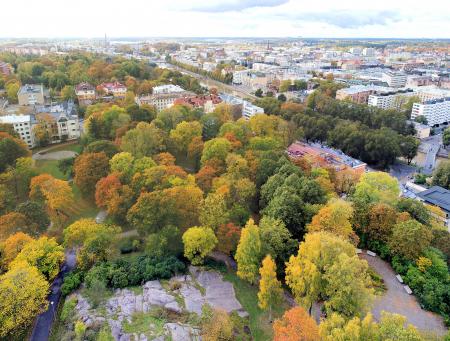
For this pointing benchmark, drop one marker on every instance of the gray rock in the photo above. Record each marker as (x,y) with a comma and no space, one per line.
(180,332)
(173,306)
(193,298)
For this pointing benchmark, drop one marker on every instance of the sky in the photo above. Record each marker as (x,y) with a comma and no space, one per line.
(226,18)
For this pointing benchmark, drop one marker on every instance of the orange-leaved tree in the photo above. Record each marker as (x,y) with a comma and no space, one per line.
(295,325)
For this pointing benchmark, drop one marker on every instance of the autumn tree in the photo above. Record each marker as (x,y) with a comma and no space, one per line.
(184,133)
(10,223)
(144,140)
(88,169)
(270,291)
(198,243)
(309,276)
(409,239)
(43,253)
(217,148)
(94,242)
(111,195)
(216,325)
(214,211)
(228,238)
(23,295)
(295,325)
(54,193)
(248,253)
(334,218)
(12,247)
(382,218)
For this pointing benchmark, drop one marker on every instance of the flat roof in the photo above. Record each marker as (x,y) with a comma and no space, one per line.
(15,118)
(437,196)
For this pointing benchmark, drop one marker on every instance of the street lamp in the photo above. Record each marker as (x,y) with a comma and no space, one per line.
(53,309)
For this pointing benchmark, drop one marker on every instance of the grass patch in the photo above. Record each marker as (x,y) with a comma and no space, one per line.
(377,282)
(50,167)
(145,323)
(259,322)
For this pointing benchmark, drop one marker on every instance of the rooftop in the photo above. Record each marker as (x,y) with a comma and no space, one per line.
(437,196)
(31,89)
(331,156)
(15,119)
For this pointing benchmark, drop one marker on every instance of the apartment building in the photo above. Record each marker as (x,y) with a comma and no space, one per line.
(391,100)
(394,79)
(22,125)
(436,111)
(246,108)
(162,101)
(33,94)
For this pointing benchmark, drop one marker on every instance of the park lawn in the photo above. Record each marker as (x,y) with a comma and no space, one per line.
(260,324)
(82,208)
(50,167)
(72,146)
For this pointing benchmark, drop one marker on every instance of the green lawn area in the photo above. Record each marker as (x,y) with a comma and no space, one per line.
(260,324)
(72,146)
(50,167)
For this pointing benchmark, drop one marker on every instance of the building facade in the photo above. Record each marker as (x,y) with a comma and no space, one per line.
(391,100)
(394,79)
(116,89)
(22,125)
(85,93)
(435,111)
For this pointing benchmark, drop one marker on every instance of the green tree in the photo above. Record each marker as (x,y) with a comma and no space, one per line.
(446,137)
(441,176)
(214,211)
(217,148)
(144,140)
(409,146)
(183,134)
(198,243)
(409,239)
(377,187)
(248,253)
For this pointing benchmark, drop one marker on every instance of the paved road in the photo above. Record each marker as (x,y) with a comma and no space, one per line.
(44,321)
(396,300)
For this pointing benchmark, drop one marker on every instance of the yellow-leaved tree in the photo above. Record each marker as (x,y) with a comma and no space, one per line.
(270,291)
(23,295)
(198,243)
(248,253)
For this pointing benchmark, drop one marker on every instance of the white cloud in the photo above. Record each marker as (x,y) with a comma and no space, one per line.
(260,18)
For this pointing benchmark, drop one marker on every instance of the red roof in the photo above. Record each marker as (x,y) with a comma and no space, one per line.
(198,101)
(113,86)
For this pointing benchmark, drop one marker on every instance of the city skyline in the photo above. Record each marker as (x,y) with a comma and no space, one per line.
(218,18)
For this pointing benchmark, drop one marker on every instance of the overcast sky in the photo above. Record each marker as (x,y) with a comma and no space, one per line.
(226,18)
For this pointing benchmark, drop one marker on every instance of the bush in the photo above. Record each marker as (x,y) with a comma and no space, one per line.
(130,272)
(72,281)
(128,245)
(68,309)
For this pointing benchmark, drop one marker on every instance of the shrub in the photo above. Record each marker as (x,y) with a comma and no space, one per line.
(68,309)
(72,281)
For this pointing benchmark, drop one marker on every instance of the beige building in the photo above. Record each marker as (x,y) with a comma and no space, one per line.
(33,94)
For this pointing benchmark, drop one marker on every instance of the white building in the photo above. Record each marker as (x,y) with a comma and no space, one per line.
(238,76)
(249,110)
(394,79)
(435,111)
(391,100)
(167,89)
(368,52)
(22,125)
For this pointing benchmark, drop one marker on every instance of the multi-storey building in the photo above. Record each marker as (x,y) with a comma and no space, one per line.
(167,89)
(85,93)
(436,111)
(360,93)
(33,94)
(394,79)
(391,100)
(162,100)
(206,102)
(247,109)
(22,125)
